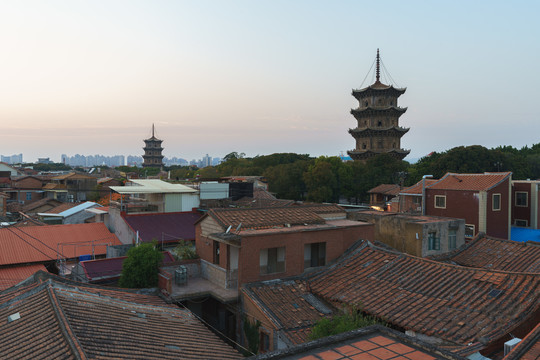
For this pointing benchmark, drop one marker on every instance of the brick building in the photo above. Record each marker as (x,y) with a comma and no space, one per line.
(526,197)
(483,200)
(238,246)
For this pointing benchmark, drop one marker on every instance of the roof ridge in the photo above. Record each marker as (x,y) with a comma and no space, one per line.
(65,327)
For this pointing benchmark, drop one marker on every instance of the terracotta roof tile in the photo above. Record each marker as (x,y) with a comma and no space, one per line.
(265,217)
(387,189)
(497,254)
(41,243)
(11,276)
(61,319)
(372,342)
(416,189)
(472,182)
(61,208)
(457,304)
(528,348)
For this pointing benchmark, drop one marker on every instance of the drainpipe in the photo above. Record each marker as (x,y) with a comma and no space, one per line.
(424,193)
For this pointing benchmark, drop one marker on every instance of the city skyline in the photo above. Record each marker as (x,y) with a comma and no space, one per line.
(261,78)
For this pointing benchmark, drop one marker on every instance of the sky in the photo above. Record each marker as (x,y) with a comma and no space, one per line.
(261,77)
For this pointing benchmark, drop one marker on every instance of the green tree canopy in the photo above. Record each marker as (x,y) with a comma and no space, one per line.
(140,268)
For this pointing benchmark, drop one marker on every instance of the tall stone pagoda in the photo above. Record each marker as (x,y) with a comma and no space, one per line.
(152,152)
(378,130)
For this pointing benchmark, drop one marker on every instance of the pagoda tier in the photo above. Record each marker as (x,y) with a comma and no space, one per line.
(394,131)
(378,90)
(361,113)
(377,115)
(363,155)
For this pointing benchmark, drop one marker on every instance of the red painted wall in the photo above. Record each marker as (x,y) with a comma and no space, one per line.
(459,204)
(520,212)
(497,223)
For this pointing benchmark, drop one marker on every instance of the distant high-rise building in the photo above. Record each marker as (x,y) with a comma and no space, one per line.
(152,152)
(378,130)
(13,159)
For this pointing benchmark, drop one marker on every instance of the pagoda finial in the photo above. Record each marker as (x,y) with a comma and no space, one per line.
(152,129)
(378,71)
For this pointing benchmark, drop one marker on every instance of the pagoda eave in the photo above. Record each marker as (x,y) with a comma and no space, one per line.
(394,131)
(366,154)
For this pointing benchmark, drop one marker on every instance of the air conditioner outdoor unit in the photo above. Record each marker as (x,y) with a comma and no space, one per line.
(510,344)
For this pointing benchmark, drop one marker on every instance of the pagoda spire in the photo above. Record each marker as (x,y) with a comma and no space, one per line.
(152,129)
(378,71)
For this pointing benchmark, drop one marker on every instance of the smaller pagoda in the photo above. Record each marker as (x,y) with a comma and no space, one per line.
(378,131)
(152,152)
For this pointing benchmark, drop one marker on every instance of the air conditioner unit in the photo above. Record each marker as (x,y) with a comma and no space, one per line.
(510,344)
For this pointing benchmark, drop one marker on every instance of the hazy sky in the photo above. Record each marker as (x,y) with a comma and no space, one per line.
(260,77)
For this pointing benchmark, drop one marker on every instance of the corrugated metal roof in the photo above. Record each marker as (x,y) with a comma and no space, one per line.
(40,243)
(73,210)
(149,186)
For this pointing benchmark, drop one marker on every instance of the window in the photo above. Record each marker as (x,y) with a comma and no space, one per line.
(521,223)
(469,230)
(314,255)
(434,242)
(28,196)
(522,198)
(496,203)
(440,201)
(216,252)
(452,237)
(264,342)
(272,260)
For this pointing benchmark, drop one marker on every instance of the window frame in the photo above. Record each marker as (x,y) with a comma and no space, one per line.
(524,221)
(434,242)
(452,234)
(493,202)
(264,269)
(310,250)
(470,226)
(439,197)
(526,198)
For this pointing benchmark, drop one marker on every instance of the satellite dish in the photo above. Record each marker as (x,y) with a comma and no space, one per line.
(228,229)
(238,227)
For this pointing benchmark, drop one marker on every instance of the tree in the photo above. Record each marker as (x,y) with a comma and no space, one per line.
(140,268)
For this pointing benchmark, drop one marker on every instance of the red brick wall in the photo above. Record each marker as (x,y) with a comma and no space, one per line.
(28,183)
(337,241)
(497,221)
(203,245)
(459,204)
(520,212)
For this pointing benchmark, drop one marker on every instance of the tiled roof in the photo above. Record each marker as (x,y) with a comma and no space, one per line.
(73,176)
(370,343)
(61,208)
(265,217)
(528,348)
(472,182)
(457,304)
(112,267)
(386,189)
(289,306)
(251,202)
(11,276)
(260,193)
(164,226)
(54,186)
(60,319)
(498,254)
(416,189)
(41,243)
(41,202)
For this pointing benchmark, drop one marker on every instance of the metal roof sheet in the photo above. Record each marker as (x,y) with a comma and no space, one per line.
(149,186)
